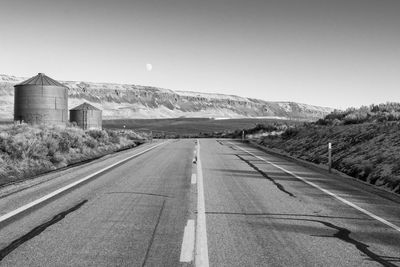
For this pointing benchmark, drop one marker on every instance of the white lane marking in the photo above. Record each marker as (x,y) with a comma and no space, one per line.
(370,214)
(201,257)
(194,178)
(187,249)
(62,189)
(194,156)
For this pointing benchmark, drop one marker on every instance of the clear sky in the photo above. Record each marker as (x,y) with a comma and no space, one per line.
(336,53)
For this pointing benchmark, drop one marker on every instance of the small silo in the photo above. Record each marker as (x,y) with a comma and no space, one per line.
(41,100)
(86,116)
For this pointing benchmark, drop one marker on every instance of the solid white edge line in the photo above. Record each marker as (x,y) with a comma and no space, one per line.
(201,257)
(62,189)
(370,214)
(194,178)
(187,249)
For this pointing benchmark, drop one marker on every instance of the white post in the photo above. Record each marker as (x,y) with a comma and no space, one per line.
(243,136)
(330,156)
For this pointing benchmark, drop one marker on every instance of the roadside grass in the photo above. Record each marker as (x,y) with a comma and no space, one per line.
(26,151)
(367,151)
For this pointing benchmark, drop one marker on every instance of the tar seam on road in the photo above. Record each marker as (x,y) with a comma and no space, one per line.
(284,214)
(220,142)
(37,230)
(139,193)
(370,214)
(19,210)
(344,235)
(201,258)
(278,185)
(154,234)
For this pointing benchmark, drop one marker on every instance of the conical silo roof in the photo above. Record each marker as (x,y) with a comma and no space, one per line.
(85,106)
(42,80)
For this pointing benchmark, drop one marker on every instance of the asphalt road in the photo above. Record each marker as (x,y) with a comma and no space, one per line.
(235,206)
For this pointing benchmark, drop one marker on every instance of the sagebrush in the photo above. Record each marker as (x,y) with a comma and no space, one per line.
(26,150)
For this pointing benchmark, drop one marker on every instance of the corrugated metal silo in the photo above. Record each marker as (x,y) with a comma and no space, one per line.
(41,100)
(86,116)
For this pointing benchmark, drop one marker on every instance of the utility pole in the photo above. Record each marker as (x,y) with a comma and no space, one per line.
(330,156)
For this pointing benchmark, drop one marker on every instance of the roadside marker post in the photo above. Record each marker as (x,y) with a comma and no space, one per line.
(243,136)
(330,156)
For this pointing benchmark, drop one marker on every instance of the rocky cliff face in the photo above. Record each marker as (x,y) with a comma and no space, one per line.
(135,101)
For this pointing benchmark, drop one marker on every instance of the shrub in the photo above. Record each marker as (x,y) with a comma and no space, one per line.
(52,146)
(290,132)
(58,159)
(98,135)
(115,139)
(91,143)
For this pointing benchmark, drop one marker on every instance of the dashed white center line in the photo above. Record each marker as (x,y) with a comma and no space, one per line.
(194,178)
(201,255)
(188,242)
(370,214)
(194,156)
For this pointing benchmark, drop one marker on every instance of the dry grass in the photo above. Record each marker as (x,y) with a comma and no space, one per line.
(367,151)
(26,151)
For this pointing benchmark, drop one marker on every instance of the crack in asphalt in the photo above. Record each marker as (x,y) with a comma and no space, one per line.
(153,234)
(140,193)
(278,185)
(38,230)
(344,235)
(285,214)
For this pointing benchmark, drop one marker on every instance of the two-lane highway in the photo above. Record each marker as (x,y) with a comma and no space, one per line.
(220,202)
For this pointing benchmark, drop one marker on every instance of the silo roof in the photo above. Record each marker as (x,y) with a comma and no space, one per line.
(85,106)
(41,79)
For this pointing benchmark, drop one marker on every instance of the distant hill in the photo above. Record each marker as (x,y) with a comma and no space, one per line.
(119,101)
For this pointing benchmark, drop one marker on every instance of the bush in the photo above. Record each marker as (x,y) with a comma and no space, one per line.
(290,132)
(91,143)
(99,135)
(58,159)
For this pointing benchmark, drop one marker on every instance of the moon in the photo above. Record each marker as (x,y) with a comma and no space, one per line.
(149,67)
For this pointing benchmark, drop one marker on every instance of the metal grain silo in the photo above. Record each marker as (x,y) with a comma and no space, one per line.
(41,100)
(86,116)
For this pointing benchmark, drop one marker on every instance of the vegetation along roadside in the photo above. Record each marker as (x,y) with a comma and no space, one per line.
(26,150)
(365,143)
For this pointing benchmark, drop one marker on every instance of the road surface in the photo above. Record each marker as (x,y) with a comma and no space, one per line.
(178,203)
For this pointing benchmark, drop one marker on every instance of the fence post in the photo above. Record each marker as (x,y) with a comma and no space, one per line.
(330,156)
